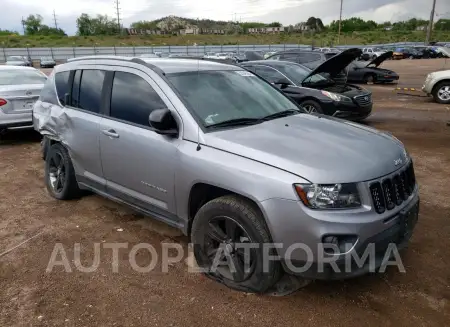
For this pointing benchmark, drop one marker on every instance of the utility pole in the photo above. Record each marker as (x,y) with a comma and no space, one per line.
(118,16)
(430,25)
(54,19)
(340,19)
(23,25)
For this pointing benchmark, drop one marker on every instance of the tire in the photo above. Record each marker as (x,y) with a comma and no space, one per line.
(410,57)
(59,171)
(370,79)
(441,92)
(247,216)
(45,145)
(313,105)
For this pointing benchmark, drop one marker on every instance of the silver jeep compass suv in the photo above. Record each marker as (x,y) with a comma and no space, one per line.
(224,156)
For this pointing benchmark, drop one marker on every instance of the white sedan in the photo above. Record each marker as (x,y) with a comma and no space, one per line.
(20,87)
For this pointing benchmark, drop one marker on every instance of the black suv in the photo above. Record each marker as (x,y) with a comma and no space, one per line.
(310,59)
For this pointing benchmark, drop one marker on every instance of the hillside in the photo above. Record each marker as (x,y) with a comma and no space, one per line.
(319,39)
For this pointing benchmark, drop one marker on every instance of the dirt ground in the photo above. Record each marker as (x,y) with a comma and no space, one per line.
(29,296)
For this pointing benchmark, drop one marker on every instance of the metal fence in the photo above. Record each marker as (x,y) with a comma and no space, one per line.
(62,54)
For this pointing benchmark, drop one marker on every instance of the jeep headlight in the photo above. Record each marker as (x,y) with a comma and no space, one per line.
(336,97)
(329,196)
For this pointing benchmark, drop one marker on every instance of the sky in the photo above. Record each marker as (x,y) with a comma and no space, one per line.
(284,11)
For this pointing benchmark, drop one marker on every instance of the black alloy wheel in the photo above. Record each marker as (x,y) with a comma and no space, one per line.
(224,237)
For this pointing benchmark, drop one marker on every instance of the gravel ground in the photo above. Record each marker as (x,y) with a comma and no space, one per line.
(30,296)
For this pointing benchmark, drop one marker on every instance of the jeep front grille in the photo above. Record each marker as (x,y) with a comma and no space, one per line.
(393,190)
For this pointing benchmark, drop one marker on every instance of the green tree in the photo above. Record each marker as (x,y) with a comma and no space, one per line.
(100,25)
(274,24)
(33,26)
(442,25)
(315,23)
(33,23)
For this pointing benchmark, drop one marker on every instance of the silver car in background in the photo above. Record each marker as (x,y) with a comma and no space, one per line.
(20,87)
(16,61)
(221,154)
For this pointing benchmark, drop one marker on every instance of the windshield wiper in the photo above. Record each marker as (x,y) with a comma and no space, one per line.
(284,113)
(236,122)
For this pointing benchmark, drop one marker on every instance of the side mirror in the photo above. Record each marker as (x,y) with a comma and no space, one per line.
(283,82)
(163,122)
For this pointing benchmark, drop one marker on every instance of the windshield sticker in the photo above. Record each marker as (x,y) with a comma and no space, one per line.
(210,119)
(245,73)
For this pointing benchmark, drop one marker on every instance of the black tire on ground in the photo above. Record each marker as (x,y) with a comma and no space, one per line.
(314,105)
(370,78)
(248,216)
(58,166)
(436,89)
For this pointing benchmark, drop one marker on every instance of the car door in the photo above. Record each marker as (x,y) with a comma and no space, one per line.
(138,164)
(82,117)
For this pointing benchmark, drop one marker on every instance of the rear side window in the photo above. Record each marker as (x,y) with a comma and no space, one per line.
(62,85)
(133,99)
(91,90)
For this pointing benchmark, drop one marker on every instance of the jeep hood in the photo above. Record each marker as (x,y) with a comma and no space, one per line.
(336,64)
(379,60)
(317,148)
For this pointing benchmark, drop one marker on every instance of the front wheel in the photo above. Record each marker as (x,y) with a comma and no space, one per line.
(441,92)
(229,234)
(311,106)
(369,79)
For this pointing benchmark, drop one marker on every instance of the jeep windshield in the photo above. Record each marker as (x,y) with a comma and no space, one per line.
(230,98)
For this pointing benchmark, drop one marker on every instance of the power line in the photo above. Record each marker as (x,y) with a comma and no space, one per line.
(54,19)
(340,19)
(23,25)
(430,25)
(119,29)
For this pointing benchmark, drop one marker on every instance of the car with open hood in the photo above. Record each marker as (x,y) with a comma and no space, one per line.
(314,90)
(362,72)
(224,156)
(308,58)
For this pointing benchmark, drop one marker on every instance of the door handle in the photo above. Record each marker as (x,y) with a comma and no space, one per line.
(111,133)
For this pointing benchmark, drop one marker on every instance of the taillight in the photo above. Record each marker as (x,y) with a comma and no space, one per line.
(2,102)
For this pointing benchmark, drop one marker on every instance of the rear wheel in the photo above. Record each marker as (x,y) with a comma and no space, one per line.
(441,92)
(222,231)
(60,174)
(370,78)
(311,106)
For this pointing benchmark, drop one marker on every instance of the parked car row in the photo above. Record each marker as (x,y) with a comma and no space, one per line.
(44,62)
(241,165)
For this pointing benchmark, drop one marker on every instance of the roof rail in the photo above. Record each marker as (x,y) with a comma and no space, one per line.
(120,58)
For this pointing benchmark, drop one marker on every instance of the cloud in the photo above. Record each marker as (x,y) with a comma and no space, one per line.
(284,11)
